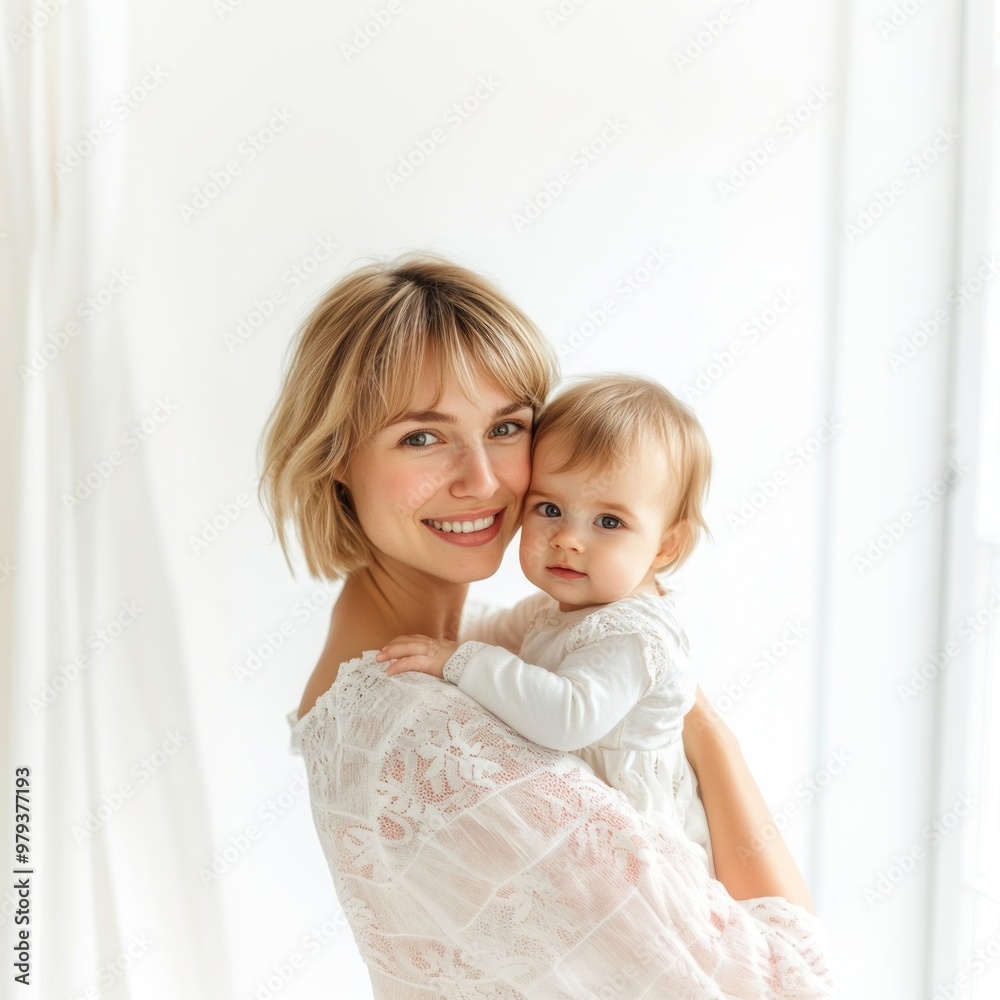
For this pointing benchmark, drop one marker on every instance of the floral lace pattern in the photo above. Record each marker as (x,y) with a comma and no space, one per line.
(473,863)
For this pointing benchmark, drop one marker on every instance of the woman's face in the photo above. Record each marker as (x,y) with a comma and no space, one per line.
(440,491)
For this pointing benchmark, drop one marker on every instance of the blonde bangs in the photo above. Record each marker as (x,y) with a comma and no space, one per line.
(469,348)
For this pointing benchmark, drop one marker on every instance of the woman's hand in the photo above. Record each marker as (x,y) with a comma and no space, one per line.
(702,724)
(417,652)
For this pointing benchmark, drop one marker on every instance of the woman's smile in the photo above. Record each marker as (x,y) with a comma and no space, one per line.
(467,529)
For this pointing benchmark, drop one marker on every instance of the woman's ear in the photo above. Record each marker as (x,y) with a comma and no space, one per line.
(340,485)
(343,494)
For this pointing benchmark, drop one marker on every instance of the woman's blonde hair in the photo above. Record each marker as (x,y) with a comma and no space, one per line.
(355,368)
(604,423)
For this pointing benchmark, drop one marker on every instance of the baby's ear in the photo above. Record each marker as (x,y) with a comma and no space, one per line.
(671,544)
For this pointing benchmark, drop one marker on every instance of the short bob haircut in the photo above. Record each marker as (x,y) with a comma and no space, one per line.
(355,365)
(606,422)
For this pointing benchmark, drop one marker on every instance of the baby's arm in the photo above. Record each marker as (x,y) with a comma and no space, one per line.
(571,707)
(493,626)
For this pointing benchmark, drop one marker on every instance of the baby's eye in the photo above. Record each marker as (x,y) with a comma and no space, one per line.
(609,521)
(419,439)
(549,510)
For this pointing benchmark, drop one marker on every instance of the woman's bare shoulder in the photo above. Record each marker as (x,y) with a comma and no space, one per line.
(323,677)
(344,642)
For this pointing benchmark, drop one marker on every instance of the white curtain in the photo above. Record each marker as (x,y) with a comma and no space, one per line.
(778,209)
(97,701)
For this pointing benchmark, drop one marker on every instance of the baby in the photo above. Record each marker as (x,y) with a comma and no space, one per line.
(597,663)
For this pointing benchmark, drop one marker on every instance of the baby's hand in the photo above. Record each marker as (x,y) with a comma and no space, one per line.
(417,652)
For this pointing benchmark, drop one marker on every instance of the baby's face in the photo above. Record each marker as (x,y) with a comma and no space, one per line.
(589,537)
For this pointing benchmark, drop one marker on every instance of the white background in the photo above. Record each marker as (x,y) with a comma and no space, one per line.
(717,171)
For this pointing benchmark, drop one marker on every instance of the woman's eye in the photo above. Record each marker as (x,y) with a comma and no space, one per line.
(607,521)
(509,428)
(419,439)
(549,510)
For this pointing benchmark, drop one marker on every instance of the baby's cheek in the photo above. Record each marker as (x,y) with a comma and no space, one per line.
(532,549)
(533,540)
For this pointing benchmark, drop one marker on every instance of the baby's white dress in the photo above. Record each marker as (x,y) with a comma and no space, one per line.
(611,684)
(473,863)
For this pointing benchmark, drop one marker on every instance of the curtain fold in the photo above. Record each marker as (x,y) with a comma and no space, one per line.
(95,699)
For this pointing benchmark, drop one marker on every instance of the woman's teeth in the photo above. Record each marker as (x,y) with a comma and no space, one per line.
(464,526)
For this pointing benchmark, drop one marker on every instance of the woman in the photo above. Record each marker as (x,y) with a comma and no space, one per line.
(468,861)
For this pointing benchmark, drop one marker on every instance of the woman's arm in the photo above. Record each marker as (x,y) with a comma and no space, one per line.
(750,855)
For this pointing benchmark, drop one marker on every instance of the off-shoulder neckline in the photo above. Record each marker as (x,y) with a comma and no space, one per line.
(296,722)
(370,654)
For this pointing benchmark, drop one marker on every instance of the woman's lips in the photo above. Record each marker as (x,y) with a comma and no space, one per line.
(565,574)
(466,538)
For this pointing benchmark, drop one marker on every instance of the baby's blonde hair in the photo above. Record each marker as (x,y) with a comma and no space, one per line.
(604,422)
(356,366)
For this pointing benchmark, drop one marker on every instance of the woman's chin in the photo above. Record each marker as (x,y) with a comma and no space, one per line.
(482,567)
(461,562)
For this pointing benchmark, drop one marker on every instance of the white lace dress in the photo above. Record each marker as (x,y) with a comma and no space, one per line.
(610,684)
(473,863)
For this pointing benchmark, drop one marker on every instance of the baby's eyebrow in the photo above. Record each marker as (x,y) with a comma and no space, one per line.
(618,508)
(537,495)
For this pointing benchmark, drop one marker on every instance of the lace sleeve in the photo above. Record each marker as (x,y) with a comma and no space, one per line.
(473,862)
(653,622)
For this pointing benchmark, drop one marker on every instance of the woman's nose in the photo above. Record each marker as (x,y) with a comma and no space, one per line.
(475,476)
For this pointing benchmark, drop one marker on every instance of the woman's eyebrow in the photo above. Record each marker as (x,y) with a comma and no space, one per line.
(437,417)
